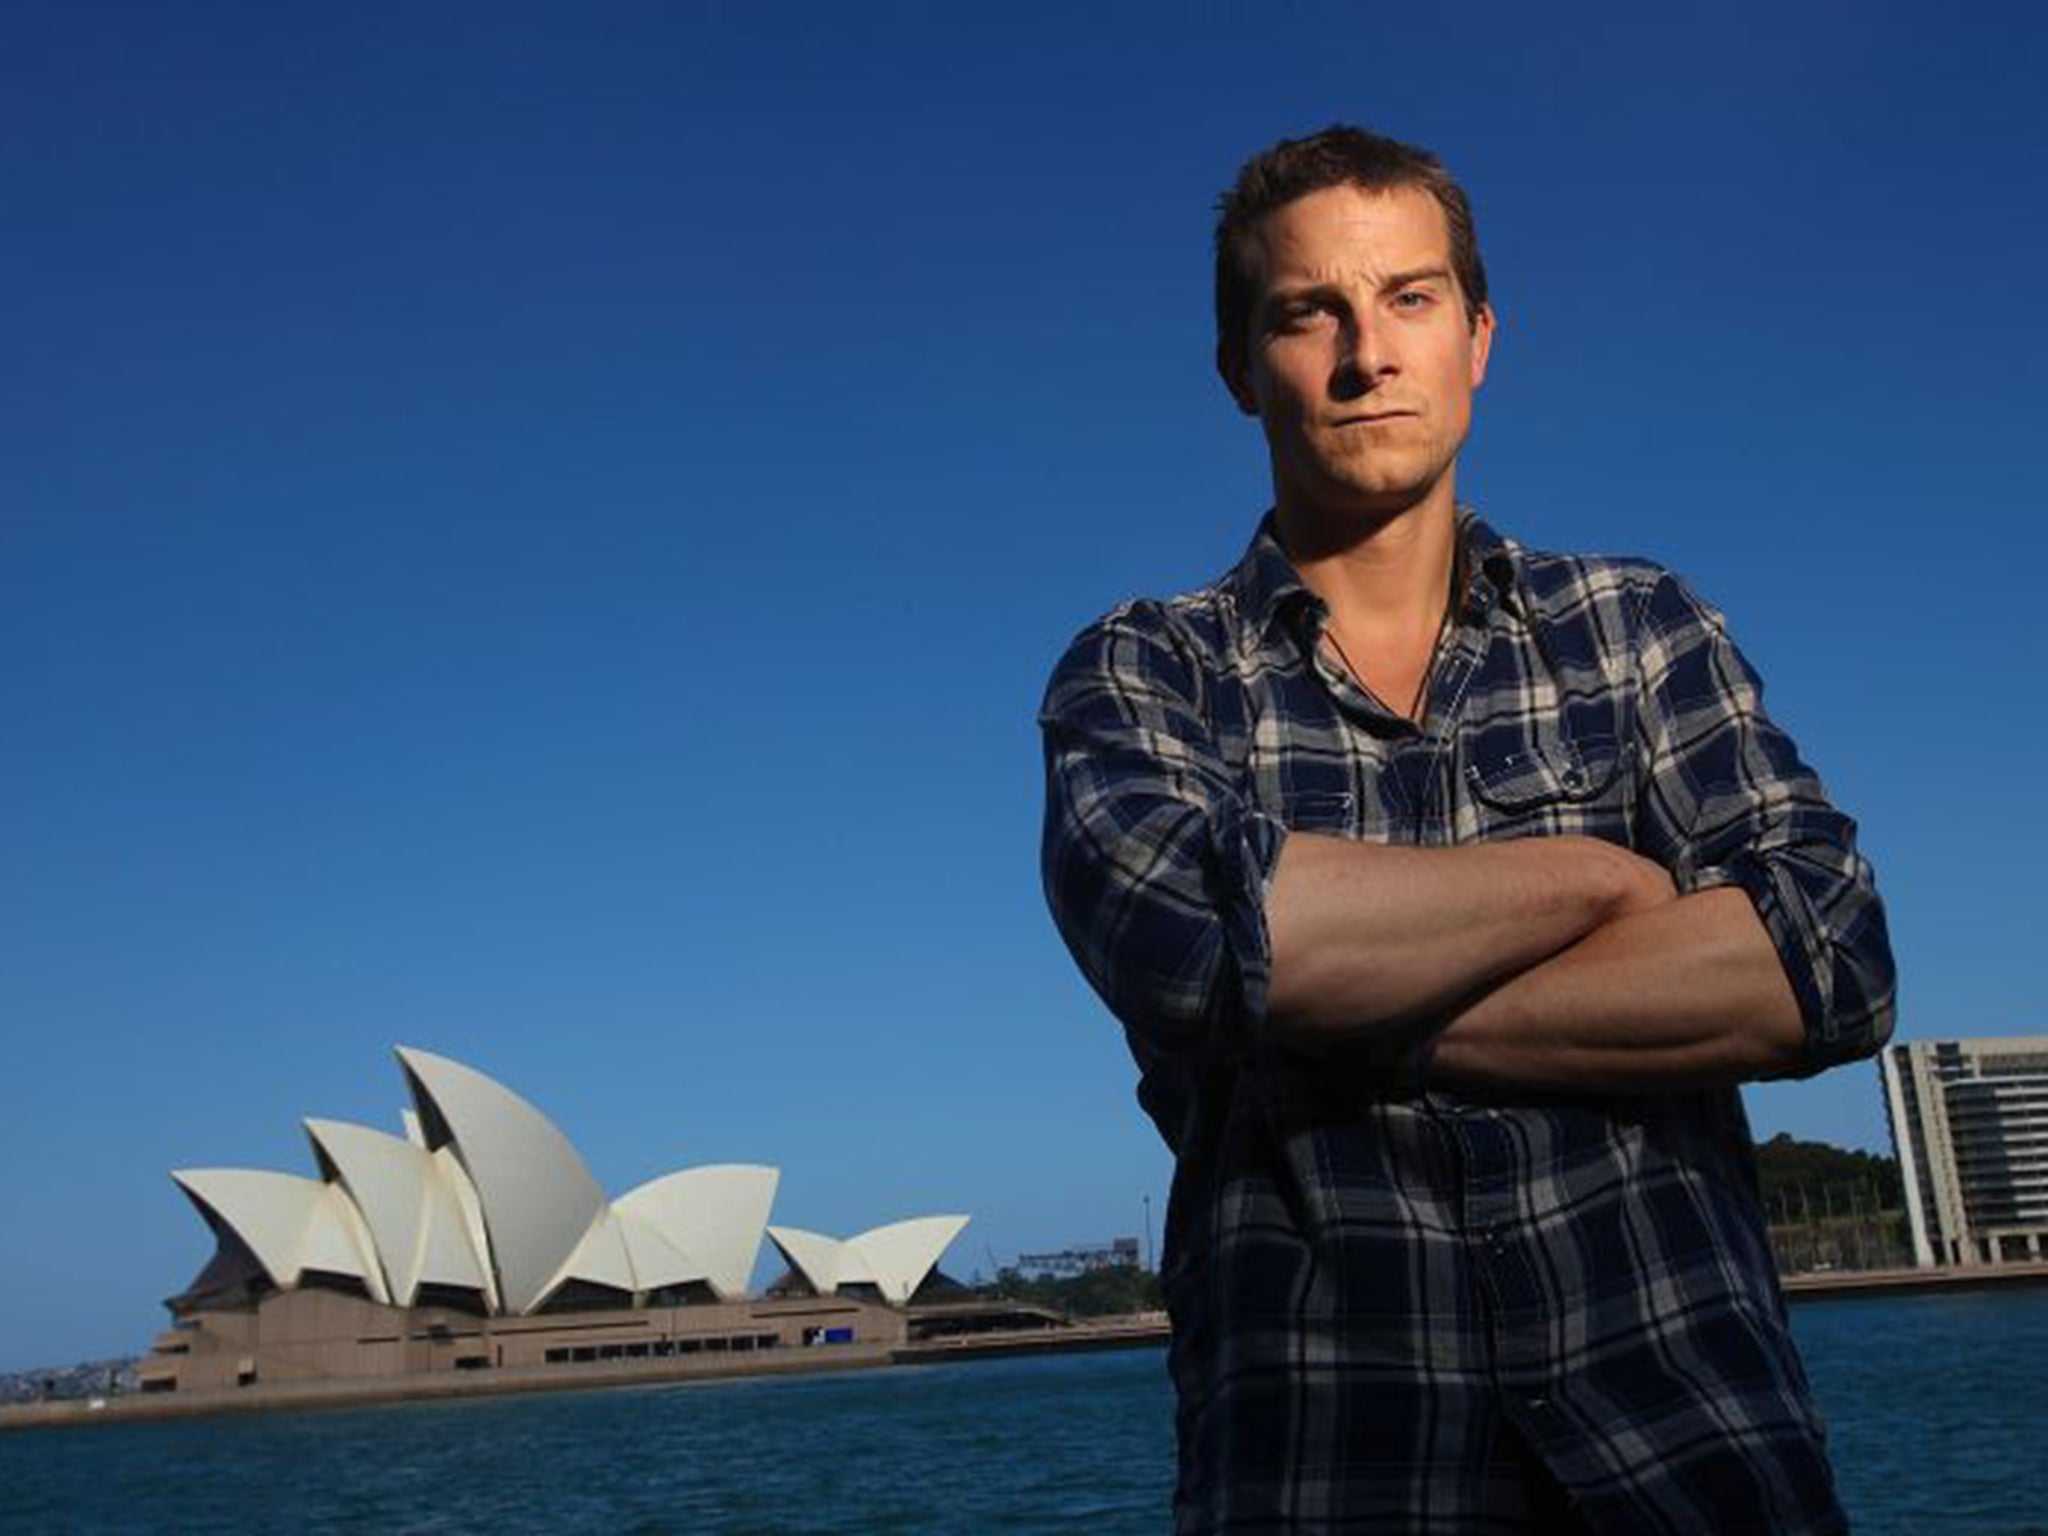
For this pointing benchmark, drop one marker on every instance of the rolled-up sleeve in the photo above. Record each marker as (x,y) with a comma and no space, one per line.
(1155,869)
(1726,800)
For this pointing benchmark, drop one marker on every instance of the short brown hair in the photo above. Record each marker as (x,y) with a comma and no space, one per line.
(1339,156)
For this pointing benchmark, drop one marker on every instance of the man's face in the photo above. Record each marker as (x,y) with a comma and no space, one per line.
(1361,360)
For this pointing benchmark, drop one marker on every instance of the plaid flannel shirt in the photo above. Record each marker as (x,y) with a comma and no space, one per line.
(1372,1285)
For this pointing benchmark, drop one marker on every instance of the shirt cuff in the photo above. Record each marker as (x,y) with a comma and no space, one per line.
(1248,845)
(1792,927)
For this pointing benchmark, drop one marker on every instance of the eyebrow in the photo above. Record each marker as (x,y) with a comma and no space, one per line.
(1391,283)
(1415,275)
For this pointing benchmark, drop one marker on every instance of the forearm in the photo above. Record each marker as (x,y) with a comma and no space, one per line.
(1687,994)
(1366,937)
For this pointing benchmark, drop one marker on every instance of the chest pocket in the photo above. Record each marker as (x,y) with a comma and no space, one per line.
(1567,784)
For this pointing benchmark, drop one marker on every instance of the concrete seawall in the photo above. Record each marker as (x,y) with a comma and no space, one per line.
(1106,1333)
(435,1387)
(1133,1332)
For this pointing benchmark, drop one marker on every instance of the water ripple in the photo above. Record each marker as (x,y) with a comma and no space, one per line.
(1933,1401)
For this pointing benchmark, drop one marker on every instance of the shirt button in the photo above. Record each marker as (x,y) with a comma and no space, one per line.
(1536,1404)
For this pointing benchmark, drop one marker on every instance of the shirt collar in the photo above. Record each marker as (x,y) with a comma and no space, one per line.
(1271,591)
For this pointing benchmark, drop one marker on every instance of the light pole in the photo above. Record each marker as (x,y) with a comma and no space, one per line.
(1148,1232)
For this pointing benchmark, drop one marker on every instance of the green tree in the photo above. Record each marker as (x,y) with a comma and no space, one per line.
(1104,1292)
(1801,1175)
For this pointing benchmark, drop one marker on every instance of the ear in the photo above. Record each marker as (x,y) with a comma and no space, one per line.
(1483,327)
(1236,377)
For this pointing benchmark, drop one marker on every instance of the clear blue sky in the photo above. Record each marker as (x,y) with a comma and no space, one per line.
(537,532)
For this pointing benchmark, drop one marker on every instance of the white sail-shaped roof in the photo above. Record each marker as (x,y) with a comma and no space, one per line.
(447,1242)
(713,1216)
(894,1259)
(600,1259)
(811,1254)
(290,1224)
(484,1194)
(538,1201)
(413,1213)
(903,1253)
(657,1262)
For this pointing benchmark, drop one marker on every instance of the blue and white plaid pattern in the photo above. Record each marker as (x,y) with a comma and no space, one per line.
(1381,1297)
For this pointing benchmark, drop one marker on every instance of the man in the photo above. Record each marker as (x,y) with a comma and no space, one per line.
(1445,890)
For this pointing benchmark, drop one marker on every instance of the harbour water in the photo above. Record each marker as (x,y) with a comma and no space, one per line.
(1938,1407)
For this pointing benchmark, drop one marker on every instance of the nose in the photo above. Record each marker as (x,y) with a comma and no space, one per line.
(1365,357)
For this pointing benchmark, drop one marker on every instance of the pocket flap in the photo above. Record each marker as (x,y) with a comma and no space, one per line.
(1569,770)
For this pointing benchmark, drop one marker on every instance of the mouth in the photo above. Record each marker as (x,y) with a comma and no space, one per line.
(1372,418)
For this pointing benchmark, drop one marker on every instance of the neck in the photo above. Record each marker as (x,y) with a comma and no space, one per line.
(1386,575)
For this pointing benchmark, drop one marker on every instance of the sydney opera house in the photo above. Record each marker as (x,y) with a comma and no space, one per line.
(478,1241)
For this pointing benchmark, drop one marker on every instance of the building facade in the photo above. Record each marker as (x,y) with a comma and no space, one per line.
(478,1241)
(1969,1121)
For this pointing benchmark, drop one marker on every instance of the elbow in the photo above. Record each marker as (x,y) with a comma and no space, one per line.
(1865,991)
(1178,991)
(1837,955)
(1859,1012)
(1171,1009)
(1857,1038)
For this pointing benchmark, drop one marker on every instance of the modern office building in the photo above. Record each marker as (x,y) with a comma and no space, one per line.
(479,1241)
(1969,1122)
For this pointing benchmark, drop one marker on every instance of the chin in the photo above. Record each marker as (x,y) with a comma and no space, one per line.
(1382,482)
(1351,488)
(1381,493)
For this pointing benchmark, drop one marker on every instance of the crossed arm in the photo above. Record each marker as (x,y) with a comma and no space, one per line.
(1559,963)
(1745,939)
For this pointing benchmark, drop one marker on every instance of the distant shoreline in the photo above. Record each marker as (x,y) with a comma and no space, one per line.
(1827,1285)
(1134,1331)
(1129,1332)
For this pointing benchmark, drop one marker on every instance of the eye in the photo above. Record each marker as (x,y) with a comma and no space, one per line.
(1300,315)
(1413,299)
